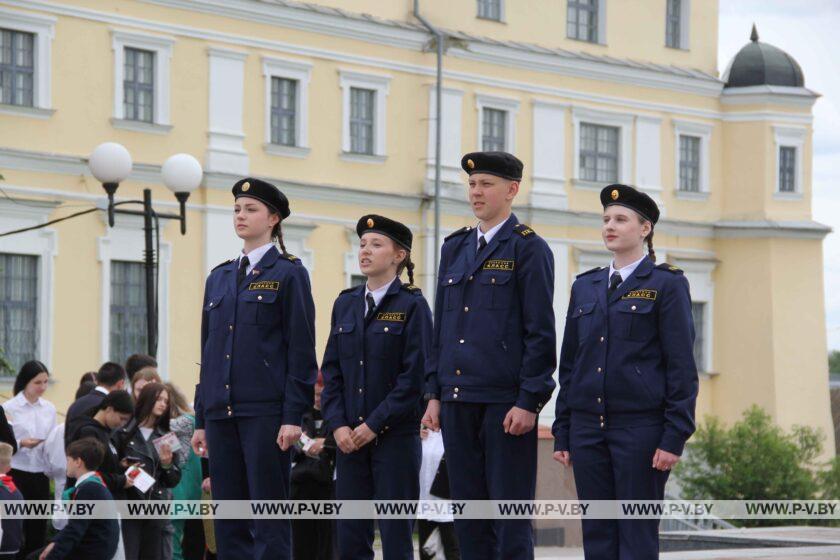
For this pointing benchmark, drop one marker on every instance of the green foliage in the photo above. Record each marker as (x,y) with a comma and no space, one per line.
(829,480)
(834,361)
(5,367)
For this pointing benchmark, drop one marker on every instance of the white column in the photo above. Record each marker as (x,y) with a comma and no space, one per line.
(562,288)
(549,175)
(450,147)
(649,156)
(225,152)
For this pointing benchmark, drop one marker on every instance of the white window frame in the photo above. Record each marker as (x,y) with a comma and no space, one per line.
(699,273)
(685,25)
(124,242)
(380,83)
(43,28)
(351,259)
(162,47)
(507,104)
(624,122)
(501,13)
(601,39)
(41,243)
(704,132)
(789,137)
(301,72)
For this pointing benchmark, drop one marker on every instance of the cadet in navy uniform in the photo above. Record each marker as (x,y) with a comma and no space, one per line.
(493,356)
(628,382)
(258,369)
(373,370)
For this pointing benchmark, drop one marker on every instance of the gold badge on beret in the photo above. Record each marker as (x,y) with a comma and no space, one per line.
(470,164)
(370,222)
(245,186)
(614,194)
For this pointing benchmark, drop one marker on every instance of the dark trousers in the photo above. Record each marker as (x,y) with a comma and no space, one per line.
(615,464)
(143,538)
(485,463)
(313,539)
(247,464)
(388,468)
(33,486)
(447,538)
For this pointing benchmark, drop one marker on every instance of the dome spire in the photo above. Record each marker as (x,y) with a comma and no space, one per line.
(754,34)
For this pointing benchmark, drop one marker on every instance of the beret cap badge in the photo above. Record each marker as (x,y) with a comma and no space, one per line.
(614,194)
(470,164)
(370,222)
(245,186)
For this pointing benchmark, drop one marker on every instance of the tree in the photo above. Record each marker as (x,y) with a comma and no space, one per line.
(834,361)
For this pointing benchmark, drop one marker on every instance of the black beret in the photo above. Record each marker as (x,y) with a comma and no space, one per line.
(264,192)
(623,195)
(501,164)
(387,227)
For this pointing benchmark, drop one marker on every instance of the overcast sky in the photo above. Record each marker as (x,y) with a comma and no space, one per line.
(808,31)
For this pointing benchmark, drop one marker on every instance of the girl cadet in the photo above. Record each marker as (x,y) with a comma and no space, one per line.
(628,382)
(258,368)
(373,378)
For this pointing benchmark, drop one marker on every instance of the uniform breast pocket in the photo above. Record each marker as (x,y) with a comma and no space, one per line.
(212,308)
(258,308)
(384,339)
(344,337)
(497,289)
(636,319)
(452,290)
(583,314)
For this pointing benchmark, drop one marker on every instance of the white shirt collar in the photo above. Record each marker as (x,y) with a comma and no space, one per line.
(24,401)
(626,271)
(101,389)
(378,293)
(254,256)
(84,477)
(490,233)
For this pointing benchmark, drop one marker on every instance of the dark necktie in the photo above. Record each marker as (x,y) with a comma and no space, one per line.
(243,267)
(371,305)
(482,243)
(615,280)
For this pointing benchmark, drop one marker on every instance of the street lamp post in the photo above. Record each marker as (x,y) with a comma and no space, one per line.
(111,164)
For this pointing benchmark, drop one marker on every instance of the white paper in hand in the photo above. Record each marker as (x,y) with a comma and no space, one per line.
(169,439)
(142,480)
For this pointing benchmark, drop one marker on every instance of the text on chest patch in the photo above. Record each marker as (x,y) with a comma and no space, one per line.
(391,316)
(266,285)
(498,264)
(640,294)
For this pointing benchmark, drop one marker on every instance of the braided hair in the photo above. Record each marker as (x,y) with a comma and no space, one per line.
(649,241)
(277,234)
(408,266)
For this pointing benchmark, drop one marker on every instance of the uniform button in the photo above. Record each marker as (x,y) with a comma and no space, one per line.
(580,310)
(455,395)
(211,304)
(599,370)
(456,389)
(385,329)
(602,418)
(361,362)
(457,372)
(602,339)
(602,424)
(259,298)
(471,278)
(599,399)
(633,308)
(227,387)
(230,413)
(231,327)
(227,356)
(360,390)
(340,329)
(466,309)
(361,419)
(492,280)
(450,280)
(386,427)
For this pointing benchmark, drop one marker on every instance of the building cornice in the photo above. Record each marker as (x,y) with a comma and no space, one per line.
(799,97)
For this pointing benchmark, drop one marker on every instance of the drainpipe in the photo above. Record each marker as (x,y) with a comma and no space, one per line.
(439,39)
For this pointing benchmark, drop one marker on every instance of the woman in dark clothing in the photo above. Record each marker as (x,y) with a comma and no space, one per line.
(7,434)
(312,479)
(115,411)
(135,445)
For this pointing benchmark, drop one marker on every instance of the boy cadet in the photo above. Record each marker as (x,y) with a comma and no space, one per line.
(493,356)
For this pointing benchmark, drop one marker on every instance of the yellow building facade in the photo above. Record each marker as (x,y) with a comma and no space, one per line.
(334,102)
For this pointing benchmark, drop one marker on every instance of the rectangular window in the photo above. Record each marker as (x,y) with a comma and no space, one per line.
(128,310)
(284,111)
(787,169)
(357,280)
(698,312)
(582,20)
(362,106)
(490,9)
(18,310)
(598,153)
(493,129)
(139,85)
(17,67)
(689,163)
(673,24)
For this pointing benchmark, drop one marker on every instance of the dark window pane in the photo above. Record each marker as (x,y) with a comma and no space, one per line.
(582,20)
(490,9)
(689,164)
(139,85)
(494,129)
(19,332)
(598,153)
(283,111)
(673,23)
(787,169)
(361,120)
(128,310)
(17,67)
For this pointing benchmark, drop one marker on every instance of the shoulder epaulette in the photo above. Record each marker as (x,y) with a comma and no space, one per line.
(222,264)
(596,269)
(291,257)
(347,290)
(670,268)
(523,230)
(456,233)
(412,289)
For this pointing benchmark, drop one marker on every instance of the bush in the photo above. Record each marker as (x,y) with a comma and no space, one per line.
(753,460)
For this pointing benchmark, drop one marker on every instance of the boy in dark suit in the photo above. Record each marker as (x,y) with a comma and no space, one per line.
(92,539)
(12,528)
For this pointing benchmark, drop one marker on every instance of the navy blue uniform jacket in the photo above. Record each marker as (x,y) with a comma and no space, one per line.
(373,373)
(257,342)
(494,338)
(91,539)
(629,357)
